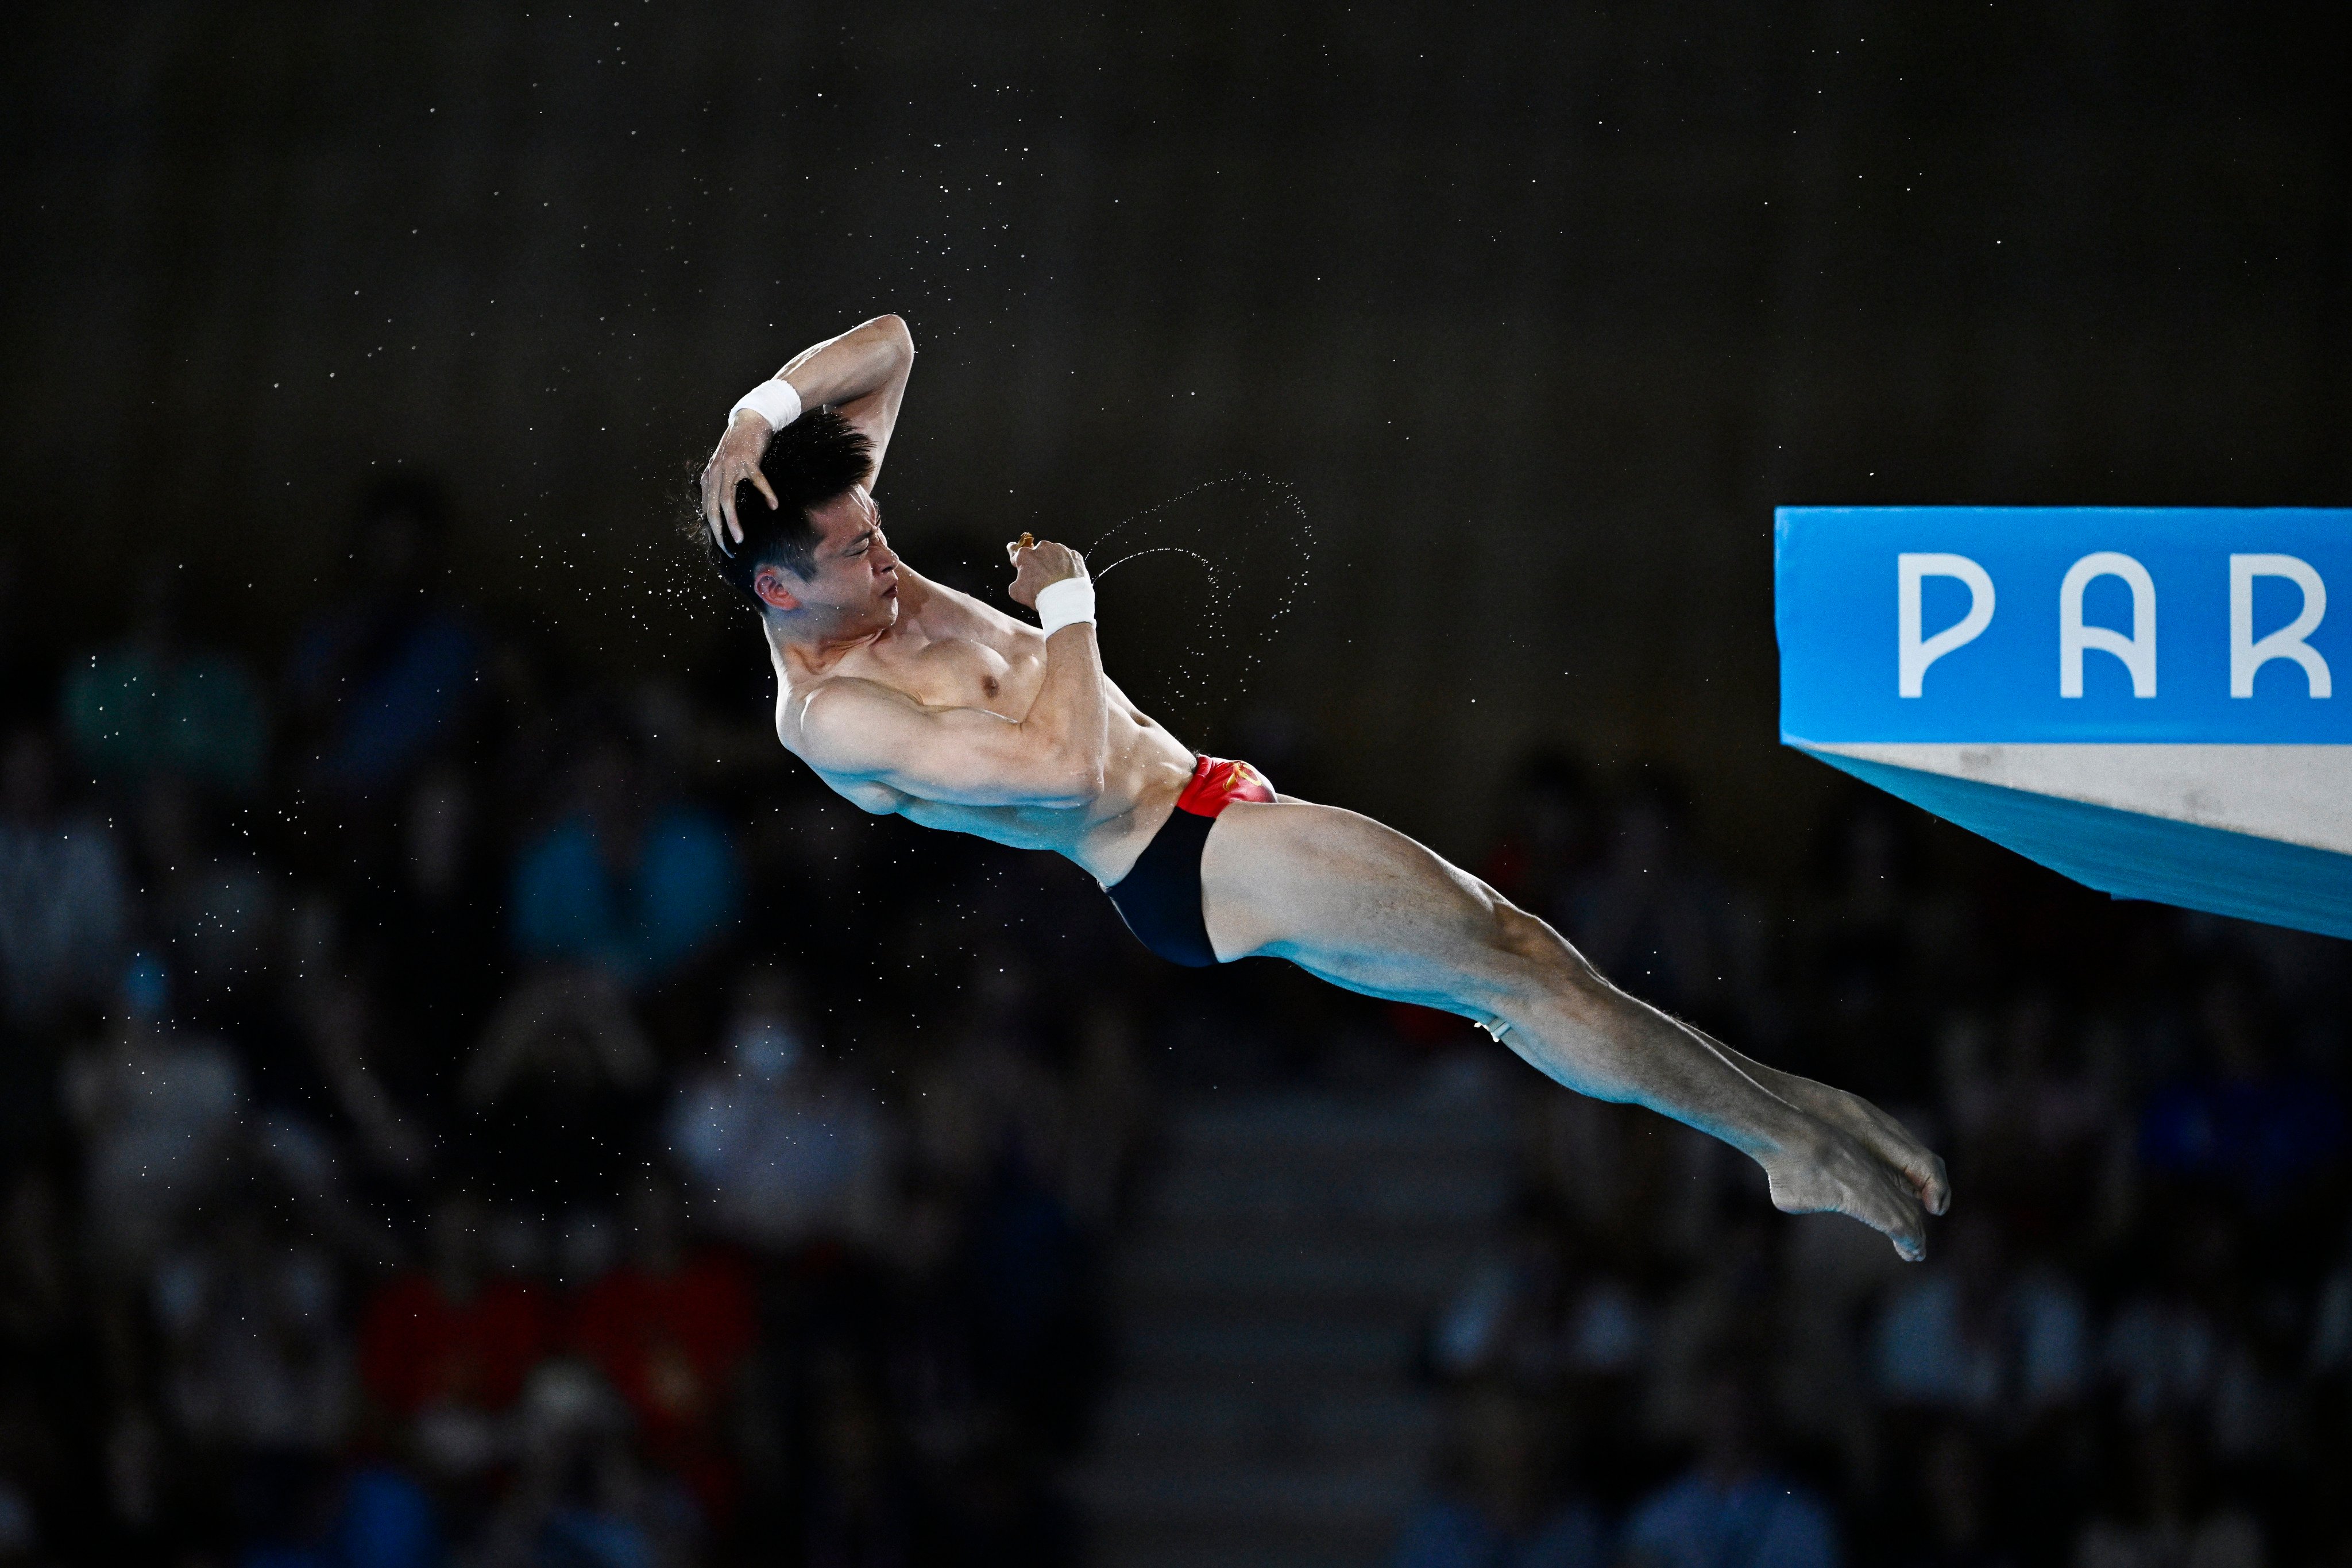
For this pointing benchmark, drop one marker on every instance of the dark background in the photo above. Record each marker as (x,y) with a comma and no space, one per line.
(1541,309)
(466,1096)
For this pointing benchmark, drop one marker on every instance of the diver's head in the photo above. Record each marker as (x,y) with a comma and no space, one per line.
(816,566)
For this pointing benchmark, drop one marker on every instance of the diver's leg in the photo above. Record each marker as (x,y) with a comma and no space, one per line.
(1364,906)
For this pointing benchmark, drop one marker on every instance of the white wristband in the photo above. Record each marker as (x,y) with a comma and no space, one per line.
(777,402)
(1065,604)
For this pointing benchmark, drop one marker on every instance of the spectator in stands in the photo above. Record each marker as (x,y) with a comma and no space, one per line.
(623,882)
(437,912)
(1010,1098)
(2243,1124)
(376,1516)
(382,679)
(48,1440)
(1543,1310)
(1871,942)
(159,1110)
(1950,1524)
(864,1506)
(22,1533)
(669,1330)
(561,1090)
(1731,1507)
(257,1367)
(779,1145)
(1733,1308)
(2183,1344)
(2035,1122)
(2331,1321)
(328,1069)
(2160,1509)
(1499,1502)
(152,706)
(580,1495)
(445,1351)
(1969,1335)
(212,902)
(65,900)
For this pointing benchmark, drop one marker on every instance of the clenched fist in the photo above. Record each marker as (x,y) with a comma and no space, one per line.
(1038,562)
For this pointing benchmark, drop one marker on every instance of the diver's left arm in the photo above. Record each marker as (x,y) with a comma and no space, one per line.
(861,375)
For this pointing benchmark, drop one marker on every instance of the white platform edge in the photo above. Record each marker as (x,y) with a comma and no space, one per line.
(2295,794)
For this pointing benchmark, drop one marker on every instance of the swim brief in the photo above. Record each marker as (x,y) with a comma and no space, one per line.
(1161,898)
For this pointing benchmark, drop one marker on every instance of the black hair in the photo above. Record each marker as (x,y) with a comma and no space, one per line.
(816,458)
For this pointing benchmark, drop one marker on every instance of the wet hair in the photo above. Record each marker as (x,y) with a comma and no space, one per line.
(816,458)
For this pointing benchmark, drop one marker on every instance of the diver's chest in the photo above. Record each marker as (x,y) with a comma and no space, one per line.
(961,672)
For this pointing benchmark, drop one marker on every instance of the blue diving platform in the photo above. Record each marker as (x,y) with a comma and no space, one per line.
(2144,699)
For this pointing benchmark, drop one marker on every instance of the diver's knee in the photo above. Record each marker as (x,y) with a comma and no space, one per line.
(1533,963)
(1520,935)
(1513,967)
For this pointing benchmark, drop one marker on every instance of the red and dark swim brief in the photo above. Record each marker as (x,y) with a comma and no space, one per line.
(1161,898)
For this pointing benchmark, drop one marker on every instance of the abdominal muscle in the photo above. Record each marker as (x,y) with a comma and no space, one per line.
(1144,767)
(1144,770)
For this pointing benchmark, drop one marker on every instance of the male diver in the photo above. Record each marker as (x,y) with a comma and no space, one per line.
(908,697)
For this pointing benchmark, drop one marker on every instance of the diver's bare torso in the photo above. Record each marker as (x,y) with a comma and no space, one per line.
(948,650)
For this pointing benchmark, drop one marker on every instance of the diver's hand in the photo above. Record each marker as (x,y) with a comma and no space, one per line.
(735,459)
(1039,561)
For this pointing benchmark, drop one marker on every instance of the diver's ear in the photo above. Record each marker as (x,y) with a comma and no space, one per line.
(773,588)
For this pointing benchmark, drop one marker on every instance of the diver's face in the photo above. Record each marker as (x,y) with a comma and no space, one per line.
(853,582)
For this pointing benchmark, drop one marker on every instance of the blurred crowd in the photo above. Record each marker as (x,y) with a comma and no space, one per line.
(462,1109)
(2131,1346)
